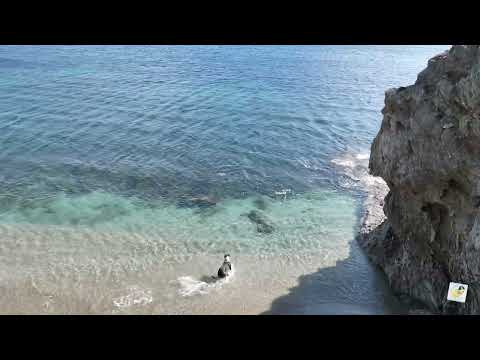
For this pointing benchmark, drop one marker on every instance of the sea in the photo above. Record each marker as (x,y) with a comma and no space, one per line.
(128,172)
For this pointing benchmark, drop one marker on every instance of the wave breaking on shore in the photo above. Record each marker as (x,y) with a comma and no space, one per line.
(354,167)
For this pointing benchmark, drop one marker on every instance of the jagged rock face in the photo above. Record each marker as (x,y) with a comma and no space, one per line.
(428,152)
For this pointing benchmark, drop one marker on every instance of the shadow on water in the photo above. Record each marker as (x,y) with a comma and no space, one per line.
(354,286)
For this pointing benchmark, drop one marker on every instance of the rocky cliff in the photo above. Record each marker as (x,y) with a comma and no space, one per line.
(428,153)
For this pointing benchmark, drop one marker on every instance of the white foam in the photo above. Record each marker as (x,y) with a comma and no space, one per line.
(355,168)
(136,296)
(362,156)
(189,286)
(344,162)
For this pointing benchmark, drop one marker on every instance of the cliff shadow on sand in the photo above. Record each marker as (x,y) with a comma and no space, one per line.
(351,287)
(354,286)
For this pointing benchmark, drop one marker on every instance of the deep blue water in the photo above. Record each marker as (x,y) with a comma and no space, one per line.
(172,122)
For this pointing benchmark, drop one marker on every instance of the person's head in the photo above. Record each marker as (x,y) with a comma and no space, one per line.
(227,257)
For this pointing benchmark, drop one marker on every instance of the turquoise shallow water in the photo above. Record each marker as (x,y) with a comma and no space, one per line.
(301,223)
(105,148)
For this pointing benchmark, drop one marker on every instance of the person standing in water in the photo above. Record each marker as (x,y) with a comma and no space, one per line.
(226,267)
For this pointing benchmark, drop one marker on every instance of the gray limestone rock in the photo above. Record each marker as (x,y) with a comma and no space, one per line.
(428,153)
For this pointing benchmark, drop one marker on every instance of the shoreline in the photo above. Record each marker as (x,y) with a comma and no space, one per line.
(334,276)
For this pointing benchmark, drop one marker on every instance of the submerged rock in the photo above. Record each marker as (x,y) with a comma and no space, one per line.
(428,152)
(199,201)
(260,203)
(262,222)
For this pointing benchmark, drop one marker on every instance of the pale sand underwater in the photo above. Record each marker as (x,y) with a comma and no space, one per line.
(52,269)
(160,290)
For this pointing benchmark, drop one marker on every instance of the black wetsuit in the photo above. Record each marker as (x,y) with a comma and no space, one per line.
(224,269)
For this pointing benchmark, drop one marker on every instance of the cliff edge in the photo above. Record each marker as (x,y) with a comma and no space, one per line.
(428,153)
